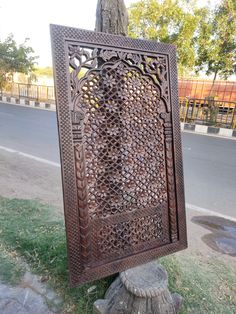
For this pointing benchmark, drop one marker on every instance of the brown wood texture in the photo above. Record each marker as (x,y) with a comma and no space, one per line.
(111,17)
(119,130)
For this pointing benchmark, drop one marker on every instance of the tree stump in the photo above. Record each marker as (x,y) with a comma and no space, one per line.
(142,290)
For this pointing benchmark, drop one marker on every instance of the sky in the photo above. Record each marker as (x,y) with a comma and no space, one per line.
(31,19)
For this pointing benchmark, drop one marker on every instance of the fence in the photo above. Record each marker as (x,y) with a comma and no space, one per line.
(195,104)
(205,102)
(208,112)
(31,92)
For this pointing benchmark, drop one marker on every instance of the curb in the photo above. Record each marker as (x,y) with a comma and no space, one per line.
(210,130)
(27,103)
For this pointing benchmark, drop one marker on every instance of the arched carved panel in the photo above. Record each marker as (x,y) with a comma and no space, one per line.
(122,199)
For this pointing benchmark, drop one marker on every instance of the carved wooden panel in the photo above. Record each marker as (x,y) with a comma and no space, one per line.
(119,130)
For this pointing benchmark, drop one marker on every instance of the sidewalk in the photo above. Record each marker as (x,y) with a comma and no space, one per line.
(30,296)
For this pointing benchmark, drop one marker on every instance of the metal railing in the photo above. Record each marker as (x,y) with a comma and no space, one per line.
(208,111)
(31,92)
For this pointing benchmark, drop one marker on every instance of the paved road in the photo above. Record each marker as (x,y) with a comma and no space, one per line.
(209,162)
(32,131)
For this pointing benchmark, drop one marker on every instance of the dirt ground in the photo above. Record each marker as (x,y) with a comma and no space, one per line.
(21,177)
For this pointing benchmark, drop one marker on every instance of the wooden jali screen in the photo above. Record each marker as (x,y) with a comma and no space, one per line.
(119,130)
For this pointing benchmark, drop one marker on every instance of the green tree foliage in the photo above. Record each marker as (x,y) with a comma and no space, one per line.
(205,39)
(14,58)
(216,47)
(46,71)
(170,21)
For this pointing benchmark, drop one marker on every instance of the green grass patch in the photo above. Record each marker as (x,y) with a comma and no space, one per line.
(207,285)
(34,231)
(11,268)
(38,235)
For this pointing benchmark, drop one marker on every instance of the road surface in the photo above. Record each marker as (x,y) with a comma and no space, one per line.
(209,162)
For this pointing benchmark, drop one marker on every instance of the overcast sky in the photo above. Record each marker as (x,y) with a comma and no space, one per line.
(30,18)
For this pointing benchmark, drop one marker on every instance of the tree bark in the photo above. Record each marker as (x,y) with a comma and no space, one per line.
(213,83)
(112,17)
(142,289)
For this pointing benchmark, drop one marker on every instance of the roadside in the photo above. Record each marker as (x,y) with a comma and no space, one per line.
(185,127)
(209,163)
(208,130)
(28,103)
(198,273)
(29,179)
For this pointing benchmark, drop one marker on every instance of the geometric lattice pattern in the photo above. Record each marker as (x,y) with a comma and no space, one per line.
(128,234)
(124,142)
(117,107)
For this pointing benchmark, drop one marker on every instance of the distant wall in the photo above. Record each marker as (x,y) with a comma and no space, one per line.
(222,90)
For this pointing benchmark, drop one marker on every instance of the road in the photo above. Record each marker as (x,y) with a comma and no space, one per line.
(209,162)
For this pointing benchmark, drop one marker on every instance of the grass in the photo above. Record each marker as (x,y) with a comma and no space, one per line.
(11,268)
(206,286)
(32,231)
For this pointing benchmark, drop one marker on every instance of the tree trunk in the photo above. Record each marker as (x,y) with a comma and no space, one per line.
(111,17)
(213,83)
(215,75)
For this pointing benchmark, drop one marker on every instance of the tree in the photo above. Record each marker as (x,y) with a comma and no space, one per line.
(46,71)
(111,17)
(217,45)
(14,58)
(169,21)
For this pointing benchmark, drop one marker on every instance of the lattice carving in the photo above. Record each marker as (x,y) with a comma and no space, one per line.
(123,140)
(119,151)
(81,58)
(128,234)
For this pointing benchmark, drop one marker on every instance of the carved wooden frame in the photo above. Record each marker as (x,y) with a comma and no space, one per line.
(79,226)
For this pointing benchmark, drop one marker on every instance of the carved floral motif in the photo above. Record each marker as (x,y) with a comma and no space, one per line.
(118,123)
(156,67)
